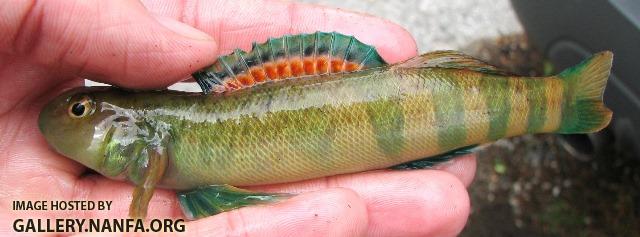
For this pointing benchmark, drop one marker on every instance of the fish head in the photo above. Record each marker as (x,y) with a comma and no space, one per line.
(90,126)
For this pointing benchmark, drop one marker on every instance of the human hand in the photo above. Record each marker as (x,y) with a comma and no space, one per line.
(49,46)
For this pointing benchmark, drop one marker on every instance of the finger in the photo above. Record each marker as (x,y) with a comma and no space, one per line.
(431,202)
(118,42)
(463,167)
(25,154)
(400,203)
(330,212)
(236,24)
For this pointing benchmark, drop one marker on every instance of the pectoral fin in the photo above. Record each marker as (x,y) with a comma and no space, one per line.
(210,200)
(151,169)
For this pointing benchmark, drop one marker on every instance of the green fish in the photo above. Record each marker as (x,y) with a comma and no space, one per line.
(307,106)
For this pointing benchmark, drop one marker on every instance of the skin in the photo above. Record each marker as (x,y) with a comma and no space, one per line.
(47,46)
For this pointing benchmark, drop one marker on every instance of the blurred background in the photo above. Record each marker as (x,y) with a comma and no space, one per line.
(543,185)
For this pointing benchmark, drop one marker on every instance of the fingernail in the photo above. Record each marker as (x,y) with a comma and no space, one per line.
(183,29)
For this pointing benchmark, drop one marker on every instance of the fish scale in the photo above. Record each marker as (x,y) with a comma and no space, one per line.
(293,137)
(293,109)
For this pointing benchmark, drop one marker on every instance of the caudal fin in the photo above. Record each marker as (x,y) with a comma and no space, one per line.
(584,110)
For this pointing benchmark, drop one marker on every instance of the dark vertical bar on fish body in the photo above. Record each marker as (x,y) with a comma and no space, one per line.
(537,100)
(449,111)
(497,94)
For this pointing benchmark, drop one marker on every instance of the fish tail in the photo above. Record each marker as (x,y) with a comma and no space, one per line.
(583,108)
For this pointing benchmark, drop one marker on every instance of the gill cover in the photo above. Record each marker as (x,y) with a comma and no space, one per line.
(94,127)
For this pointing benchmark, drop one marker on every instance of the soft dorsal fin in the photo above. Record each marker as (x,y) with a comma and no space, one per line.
(291,56)
(451,59)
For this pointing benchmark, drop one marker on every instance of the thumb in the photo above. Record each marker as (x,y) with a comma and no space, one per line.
(117,42)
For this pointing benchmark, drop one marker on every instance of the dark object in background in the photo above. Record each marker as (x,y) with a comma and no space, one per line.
(569,31)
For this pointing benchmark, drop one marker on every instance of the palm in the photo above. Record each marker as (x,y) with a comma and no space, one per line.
(34,70)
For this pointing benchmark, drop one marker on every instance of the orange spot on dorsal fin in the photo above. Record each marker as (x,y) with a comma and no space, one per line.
(288,57)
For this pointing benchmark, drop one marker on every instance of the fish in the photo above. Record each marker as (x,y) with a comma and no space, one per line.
(312,105)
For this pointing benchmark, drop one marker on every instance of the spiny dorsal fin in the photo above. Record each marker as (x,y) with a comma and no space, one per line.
(451,59)
(291,56)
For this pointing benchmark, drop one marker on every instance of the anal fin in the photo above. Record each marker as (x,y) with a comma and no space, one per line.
(213,199)
(430,162)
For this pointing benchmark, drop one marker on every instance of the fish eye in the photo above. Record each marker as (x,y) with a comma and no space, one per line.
(81,108)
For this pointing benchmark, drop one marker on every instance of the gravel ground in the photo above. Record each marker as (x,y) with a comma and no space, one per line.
(439,24)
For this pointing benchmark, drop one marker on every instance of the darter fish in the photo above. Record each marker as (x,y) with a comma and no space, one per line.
(307,106)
